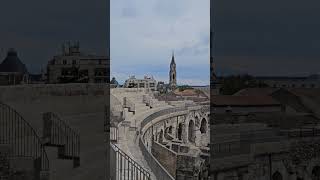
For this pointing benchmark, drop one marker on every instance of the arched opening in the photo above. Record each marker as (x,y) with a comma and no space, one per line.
(276,176)
(161,136)
(170,130)
(156,136)
(203,127)
(316,173)
(180,131)
(173,76)
(191,131)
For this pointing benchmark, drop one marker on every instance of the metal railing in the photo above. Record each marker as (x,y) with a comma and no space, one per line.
(159,171)
(310,132)
(58,133)
(21,138)
(114,134)
(126,168)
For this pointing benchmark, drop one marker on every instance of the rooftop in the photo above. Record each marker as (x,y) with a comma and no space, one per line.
(225,100)
(12,63)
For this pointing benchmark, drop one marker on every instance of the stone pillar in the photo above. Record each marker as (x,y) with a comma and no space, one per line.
(198,137)
(184,133)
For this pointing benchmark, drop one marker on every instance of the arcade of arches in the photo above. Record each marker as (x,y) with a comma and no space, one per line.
(181,138)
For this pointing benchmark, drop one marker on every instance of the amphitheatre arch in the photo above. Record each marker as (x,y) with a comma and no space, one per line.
(180,130)
(191,131)
(160,139)
(316,173)
(277,176)
(203,126)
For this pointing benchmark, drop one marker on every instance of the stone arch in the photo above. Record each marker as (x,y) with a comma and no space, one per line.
(277,176)
(170,130)
(191,131)
(180,126)
(203,126)
(160,139)
(166,130)
(316,173)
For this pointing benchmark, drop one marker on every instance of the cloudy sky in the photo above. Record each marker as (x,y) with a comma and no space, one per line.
(145,32)
(37,28)
(267,37)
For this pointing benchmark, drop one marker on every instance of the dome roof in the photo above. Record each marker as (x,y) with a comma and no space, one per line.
(12,63)
(114,81)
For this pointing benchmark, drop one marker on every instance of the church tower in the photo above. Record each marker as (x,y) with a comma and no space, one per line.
(172,74)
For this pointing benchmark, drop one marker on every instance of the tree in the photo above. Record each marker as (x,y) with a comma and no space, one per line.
(234,83)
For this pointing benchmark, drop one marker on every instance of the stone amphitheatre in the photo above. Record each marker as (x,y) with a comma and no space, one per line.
(162,140)
(61,132)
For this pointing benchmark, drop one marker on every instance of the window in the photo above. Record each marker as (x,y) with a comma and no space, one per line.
(74,62)
(203,127)
(277,176)
(64,61)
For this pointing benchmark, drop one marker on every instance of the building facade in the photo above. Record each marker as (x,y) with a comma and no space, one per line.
(146,82)
(312,81)
(73,66)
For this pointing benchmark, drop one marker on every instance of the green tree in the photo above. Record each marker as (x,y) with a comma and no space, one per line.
(234,83)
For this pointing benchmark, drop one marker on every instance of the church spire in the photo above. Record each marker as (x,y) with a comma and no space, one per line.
(172,74)
(172,59)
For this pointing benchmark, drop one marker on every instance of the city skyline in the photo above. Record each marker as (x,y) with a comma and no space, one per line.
(37,29)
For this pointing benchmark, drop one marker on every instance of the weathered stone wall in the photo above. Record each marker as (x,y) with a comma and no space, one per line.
(36,90)
(186,167)
(31,101)
(166,157)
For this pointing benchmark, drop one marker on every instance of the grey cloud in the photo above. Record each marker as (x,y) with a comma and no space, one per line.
(274,28)
(129,12)
(195,48)
(169,8)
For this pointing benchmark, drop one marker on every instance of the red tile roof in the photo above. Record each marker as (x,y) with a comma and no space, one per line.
(256,91)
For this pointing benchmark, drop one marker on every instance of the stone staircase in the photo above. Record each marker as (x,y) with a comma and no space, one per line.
(144,105)
(56,133)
